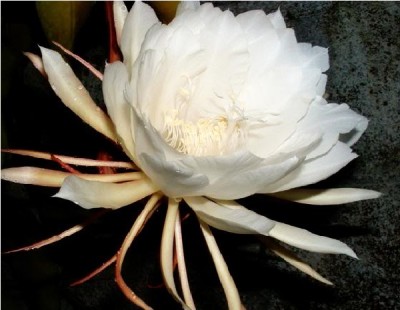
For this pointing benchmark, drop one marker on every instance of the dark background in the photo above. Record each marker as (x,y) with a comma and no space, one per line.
(364,47)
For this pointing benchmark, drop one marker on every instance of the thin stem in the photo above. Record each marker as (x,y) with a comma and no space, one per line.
(96,271)
(72,160)
(136,228)
(65,165)
(58,237)
(181,264)
(92,69)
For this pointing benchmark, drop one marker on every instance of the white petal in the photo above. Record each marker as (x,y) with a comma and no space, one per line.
(299,144)
(120,14)
(247,183)
(152,159)
(277,20)
(228,284)
(37,62)
(225,49)
(172,55)
(167,251)
(335,122)
(287,104)
(320,88)
(315,170)
(173,178)
(92,194)
(187,6)
(34,176)
(306,240)
(72,93)
(139,20)
(331,196)
(115,83)
(292,259)
(55,178)
(230,216)
(180,260)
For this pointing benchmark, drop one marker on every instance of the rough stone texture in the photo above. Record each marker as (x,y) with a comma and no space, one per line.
(364,47)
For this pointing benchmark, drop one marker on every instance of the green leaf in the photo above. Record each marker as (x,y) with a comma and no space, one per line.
(61,20)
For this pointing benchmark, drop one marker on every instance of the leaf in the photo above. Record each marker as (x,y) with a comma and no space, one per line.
(61,20)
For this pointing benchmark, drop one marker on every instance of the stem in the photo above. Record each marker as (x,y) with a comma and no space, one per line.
(72,160)
(114,53)
(181,265)
(136,228)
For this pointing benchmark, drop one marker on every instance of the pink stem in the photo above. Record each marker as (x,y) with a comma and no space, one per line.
(72,160)
(96,271)
(64,165)
(137,226)
(60,236)
(92,69)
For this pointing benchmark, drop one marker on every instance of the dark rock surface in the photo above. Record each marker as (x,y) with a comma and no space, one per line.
(364,47)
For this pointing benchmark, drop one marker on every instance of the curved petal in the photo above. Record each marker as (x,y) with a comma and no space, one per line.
(37,62)
(331,196)
(120,14)
(180,260)
(114,85)
(137,226)
(250,182)
(335,122)
(167,246)
(223,177)
(187,6)
(306,240)
(228,284)
(173,177)
(74,95)
(93,194)
(315,170)
(55,178)
(293,260)
(139,20)
(230,216)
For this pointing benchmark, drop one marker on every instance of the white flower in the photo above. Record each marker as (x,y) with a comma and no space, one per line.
(211,108)
(225,107)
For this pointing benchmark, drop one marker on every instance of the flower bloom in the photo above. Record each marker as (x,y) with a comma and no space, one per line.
(213,108)
(225,107)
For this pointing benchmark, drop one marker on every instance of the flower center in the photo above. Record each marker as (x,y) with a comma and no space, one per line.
(206,137)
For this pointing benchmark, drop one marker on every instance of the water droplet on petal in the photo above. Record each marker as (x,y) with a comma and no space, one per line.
(75,99)
(53,87)
(80,87)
